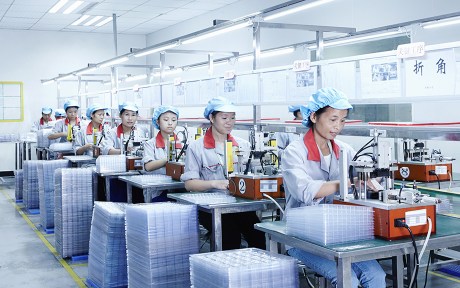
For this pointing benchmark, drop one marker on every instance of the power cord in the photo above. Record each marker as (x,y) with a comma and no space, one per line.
(274,201)
(401,223)
(432,172)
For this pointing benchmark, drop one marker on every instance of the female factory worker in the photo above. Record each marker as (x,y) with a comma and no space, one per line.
(155,158)
(61,126)
(204,171)
(283,139)
(129,112)
(84,140)
(45,121)
(310,169)
(59,114)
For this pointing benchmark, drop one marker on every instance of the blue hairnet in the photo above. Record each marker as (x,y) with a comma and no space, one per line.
(160,110)
(59,113)
(47,110)
(128,106)
(322,98)
(93,108)
(70,103)
(293,108)
(218,104)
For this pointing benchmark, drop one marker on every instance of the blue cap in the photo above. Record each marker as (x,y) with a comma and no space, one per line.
(93,108)
(128,106)
(47,110)
(219,104)
(322,98)
(59,113)
(160,110)
(70,103)
(293,108)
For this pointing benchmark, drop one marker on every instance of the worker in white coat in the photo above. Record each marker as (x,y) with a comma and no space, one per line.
(310,168)
(45,121)
(91,133)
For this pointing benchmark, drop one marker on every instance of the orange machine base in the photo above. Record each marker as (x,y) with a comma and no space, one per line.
(384,220)
(420,172)
(175,169)
(253,187)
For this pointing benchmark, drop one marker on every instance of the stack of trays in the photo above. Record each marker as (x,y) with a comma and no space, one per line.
(160,238)
(250,267)
(30,184)
(107,246)
(331,224)
(209,198)
(111,164)
(46,190)
(72,210)
(18,184)
(152,178)
(61,147)
(42,138)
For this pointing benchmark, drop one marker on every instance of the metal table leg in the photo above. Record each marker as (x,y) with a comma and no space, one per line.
(344,272)
(397,268)
(107,188)
(129,191)
(216,237)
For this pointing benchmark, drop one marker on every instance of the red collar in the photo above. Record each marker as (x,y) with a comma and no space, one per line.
(89,129)
(67,122)
(43,122)
(160,142)
(313,151)
(120,130)
(210,143)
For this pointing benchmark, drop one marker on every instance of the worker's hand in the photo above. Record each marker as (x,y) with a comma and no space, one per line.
(220,184)
(370,185)
(129,149)
(88,146)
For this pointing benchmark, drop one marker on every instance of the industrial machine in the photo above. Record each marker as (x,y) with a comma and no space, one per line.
(176,153)
(420,166)
(133,148)
(391,206)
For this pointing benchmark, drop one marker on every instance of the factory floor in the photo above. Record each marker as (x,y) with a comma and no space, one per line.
(28,257)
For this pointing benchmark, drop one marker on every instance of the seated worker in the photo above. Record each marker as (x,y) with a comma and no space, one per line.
(84,140)
(283,139)
(204,171)
(59,114)
(165,119)
(310,168)
(60,130)
(45,121)
(126,131)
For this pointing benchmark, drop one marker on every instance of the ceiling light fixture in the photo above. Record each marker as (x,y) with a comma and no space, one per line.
(72,7)
(296,9)
(440,23)
(267,54)
(353,39)
(80,20)
(47,82)
(86,70)
(217,32)
(169,72)
(57,6)
(92,21)
(155,49)
(136,78)
(114,62)
(103,22)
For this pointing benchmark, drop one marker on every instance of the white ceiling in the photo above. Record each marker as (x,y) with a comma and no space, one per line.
(133,16)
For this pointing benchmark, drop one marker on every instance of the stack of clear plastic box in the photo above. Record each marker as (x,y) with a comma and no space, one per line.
(250,267)
(46,190)
(58,147)
(30,184)
(42,138)
(107,262)
(160,238)
(152,178)
(18,184)
(331,224)
(209,198)
(111,163)
(73,209)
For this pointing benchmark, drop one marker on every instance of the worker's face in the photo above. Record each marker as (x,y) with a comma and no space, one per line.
(223,122)
(71,113)
(128,118)
(167,122)
(98,116)
(46,117)
(329,123)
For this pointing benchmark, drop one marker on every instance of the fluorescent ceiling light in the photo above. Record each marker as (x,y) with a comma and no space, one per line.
(267,54)
(157,49)
(441,23)
(136,77)
(296,9)
(360,38)
(169,72)
(81,19)
(72,7)
(64,77)
(92,21)
(58,6)
(86,70)
(103,22)
(47,82)
(114,62)
(217,32)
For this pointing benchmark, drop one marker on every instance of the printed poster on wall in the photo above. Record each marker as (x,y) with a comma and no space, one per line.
(341,76)
(380,78)
(301,85)
(179,94)
(432,74)
(273,86)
